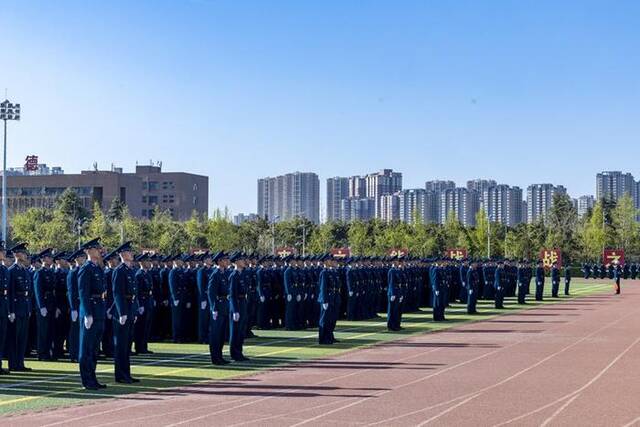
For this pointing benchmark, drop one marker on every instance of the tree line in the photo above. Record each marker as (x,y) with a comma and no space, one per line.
(607,225)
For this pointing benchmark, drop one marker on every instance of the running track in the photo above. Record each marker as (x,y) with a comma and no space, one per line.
(572,363)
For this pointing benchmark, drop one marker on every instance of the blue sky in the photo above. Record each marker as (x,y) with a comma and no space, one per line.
(518,91)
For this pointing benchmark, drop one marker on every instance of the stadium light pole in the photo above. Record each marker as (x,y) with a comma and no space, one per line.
(8,111)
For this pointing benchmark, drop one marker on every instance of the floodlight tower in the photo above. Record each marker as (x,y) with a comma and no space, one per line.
(8,111)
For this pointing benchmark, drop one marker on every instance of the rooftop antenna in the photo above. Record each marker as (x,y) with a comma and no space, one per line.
(95,166)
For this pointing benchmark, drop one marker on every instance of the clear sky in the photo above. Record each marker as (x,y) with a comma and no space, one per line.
(519,91)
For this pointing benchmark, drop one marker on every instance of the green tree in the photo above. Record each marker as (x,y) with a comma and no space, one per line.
(562,221)
(624,220)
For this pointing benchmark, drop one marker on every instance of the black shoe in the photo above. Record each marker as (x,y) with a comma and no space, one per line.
(102,385)
(23,369)
(135,380)
(4,372)
(123,381)
(220,362)
(241,359)
(151,352)
(91,387)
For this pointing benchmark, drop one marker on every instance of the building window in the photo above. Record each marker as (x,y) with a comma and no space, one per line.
(168,185)
(195,200)
(153,200)
(153,185)
(195,187)
(144,200)
(168,198)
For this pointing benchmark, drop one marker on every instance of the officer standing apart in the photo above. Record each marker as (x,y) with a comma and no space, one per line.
(92,294)
(124,312)
(567,279)
(237,308)
(555,280)
(539,281)
(472,282)
(327,290)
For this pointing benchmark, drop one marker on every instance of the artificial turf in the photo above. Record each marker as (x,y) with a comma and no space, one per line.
(54,384)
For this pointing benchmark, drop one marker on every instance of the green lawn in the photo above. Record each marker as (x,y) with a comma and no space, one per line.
(57,383)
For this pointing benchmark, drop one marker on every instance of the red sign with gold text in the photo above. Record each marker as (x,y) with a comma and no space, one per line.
(456,254)
(398,252)
(285,251)
(341,252)
(613,256)
(550,257)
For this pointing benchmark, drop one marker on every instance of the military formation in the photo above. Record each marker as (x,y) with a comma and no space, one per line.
(613,272)
(93,304)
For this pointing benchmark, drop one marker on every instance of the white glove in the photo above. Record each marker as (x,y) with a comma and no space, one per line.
(214,314)
(141,310)
(437,293)
(261,299)
(393,298)
(154,303)
(109,316)
(289,297)
(176,302)
(88,321)
(313,296)
(325,305)
(122,319)
(165,303)
(58,312)
(236,317)
(350,293)
(401,299)
(12,317)
(43,311)
(305,296)
(203,305)
(298,298)
(470,291)
(74,315)
(188,305)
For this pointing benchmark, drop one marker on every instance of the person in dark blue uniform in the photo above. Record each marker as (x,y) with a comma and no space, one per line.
(44,287)
(539,281)
(290,281)
(202,281)
(555,280)
(77,259)
(178,291)
(521,277)
(472,282)
(92,294)
(144,287)
(499,285)
(264,287)
(125,310)
(567,279)
(617,275)
(439,303)
(62,312)
(217,295)
(4,305)
(20,292)
(237,308)
(394,292)
(328,301)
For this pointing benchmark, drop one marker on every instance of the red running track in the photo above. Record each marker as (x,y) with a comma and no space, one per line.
(575,363)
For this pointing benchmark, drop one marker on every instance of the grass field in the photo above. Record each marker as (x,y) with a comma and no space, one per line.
(53,384)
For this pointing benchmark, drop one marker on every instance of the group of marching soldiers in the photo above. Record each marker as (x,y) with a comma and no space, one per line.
(611,271)
(91,302)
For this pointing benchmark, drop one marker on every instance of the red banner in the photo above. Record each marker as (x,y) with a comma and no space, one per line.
(341,252)
(613,256)
(550,257)
(285,251)
(456,254)
(398,252)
